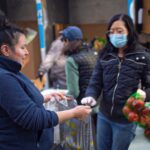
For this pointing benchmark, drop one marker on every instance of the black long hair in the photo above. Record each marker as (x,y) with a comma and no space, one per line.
(132,34)
(9,33)
(72,47)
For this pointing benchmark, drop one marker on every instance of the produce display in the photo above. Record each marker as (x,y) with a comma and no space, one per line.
(136,110)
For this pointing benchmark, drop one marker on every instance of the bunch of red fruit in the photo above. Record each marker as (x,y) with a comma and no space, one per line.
(136,111)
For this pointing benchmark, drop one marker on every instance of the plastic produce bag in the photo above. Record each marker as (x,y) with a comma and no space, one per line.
(136,110)
(73,134)
(133,107)
(76,134)
(53,106)
(147,124)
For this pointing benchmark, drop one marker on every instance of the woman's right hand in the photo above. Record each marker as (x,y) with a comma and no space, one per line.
(81,111)
(90,101)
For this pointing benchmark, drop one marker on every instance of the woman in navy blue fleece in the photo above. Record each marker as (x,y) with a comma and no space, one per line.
(24,123)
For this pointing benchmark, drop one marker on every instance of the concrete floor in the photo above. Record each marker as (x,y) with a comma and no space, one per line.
(140,142)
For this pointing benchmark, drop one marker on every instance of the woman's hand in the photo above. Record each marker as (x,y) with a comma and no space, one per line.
(53,96)
(90,101)
(81,111)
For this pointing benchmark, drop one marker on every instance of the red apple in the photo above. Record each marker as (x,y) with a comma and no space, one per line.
(146,119)
(138,104)
(145,111)
(142,121)
(148,124)
(133,117)
(126,110)
(147,133)
(130,101)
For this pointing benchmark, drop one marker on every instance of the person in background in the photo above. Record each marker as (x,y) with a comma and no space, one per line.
(24,122)
(80,62)
(79,66)
(97,44)
(121,66)
(55,63)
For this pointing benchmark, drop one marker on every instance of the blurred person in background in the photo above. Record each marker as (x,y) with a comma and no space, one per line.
(80,62)
(97,44)
(54,65)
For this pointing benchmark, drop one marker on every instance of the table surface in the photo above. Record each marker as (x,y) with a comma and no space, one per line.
(140,142)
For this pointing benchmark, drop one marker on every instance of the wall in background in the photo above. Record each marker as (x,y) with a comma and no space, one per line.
(63,12)
(95,11)
(21,10)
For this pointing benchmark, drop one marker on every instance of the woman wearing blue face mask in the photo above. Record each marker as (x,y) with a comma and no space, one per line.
(122,66)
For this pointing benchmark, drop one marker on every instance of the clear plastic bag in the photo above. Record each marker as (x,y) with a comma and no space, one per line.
(138,111)
(77,135)
(53,106)
(73,134)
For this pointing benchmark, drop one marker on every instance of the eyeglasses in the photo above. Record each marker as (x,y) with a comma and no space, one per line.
(115,31)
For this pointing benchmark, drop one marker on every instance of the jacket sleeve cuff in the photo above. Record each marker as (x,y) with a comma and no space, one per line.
(53,120)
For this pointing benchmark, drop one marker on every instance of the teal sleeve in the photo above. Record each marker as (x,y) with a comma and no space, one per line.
(72,77)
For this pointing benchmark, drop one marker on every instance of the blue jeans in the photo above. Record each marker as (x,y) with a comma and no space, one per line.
(112,135)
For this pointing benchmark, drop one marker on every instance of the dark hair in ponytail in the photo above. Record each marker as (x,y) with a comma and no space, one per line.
(9,33)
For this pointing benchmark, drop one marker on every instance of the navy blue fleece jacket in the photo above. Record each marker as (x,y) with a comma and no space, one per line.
(24,123)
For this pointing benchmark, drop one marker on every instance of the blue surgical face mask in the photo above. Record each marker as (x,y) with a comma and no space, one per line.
(118,40)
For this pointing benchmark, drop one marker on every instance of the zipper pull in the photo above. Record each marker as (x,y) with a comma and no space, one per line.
(119,66)
(38,145)
(120,62)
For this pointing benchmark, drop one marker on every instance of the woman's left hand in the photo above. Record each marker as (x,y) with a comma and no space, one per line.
(53,96)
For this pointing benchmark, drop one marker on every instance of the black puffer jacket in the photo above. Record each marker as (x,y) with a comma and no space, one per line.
(118,79)
(86,60)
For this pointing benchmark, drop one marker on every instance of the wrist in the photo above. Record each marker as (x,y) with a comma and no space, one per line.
(72,113)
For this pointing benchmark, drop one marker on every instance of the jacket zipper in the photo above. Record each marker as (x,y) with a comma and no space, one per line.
(113,97)
(38,138)
(119,67)
(37,141)
(37,144)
